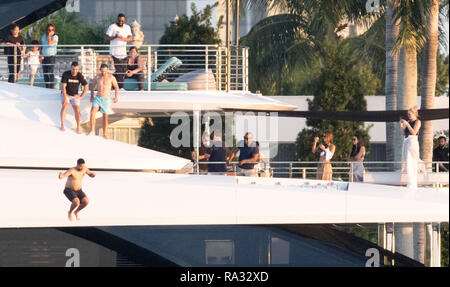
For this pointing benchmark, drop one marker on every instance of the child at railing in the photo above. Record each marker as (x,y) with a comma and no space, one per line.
(34,60)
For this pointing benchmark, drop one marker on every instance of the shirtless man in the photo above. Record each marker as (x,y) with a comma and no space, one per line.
(73,187)
(102,101)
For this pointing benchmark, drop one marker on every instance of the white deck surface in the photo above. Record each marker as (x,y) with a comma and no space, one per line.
(35,199)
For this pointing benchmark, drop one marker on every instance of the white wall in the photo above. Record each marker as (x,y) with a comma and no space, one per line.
(290,127)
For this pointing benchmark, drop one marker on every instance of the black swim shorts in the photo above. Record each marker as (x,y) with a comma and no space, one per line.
(72,194)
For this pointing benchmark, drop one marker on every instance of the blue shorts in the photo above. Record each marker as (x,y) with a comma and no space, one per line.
(104,104)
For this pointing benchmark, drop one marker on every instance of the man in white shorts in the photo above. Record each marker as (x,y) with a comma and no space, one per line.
(71,81)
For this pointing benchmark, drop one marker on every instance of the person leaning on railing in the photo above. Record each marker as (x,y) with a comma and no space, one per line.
(327,149)
(13,51)
(217,153)
(357,157)
(248,155)
(49,41)
(135,67)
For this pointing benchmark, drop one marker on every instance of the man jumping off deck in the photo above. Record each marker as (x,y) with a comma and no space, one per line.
(73,187)
(102,101)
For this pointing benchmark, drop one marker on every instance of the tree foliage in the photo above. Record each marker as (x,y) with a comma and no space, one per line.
(196,29)
(341,86)
(69,28)
(155,134)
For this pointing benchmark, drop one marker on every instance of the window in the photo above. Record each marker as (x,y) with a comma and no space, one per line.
(219,251)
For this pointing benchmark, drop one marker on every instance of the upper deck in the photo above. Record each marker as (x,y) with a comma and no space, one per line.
(164,67)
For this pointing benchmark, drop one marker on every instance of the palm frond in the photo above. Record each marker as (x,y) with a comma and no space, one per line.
(413,28)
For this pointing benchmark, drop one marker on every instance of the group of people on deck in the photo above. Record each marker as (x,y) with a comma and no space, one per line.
(129,66)
(326,152)
(214,157)
(43,53)
(410,152)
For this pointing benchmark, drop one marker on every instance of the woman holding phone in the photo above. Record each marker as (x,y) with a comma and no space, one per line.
(326,150)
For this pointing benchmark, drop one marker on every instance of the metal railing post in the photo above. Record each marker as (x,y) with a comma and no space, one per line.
(351,172)
(206,68)
(149,68)
(245,69)
(234,170)
(83,64)
(290,170)
(15,64)
(304,173)
(219,70)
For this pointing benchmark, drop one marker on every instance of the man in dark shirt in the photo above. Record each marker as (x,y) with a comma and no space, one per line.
(441,154)
(14,52)
(217,153)
(71,81)
(248,155)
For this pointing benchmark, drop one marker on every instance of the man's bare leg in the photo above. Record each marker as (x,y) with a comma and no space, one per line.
(76,111)
(75,204)
(83,204)
(94,110)
(63,115)
(105,125)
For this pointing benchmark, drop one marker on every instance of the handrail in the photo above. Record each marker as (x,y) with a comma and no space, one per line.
(208,62)
(303,170)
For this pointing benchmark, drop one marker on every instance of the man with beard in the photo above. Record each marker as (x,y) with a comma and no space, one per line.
(119,34)
(440,153)
(73,187)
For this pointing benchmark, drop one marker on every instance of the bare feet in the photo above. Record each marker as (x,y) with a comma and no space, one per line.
(91,133)
(63,129)
(105,136)
(79,131)
(76,215)
(70,216)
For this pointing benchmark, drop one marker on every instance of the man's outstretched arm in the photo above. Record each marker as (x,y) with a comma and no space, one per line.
(65,174)
(90,173)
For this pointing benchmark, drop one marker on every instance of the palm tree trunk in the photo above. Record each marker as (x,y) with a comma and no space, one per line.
(406,88)
(390,87)
(429,82)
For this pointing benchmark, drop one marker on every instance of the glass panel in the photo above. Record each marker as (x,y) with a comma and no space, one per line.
(219,251)
(279,251)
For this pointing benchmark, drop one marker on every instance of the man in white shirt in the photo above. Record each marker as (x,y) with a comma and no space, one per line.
(119,34)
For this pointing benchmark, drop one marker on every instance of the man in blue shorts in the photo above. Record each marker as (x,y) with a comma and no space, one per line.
(102,101)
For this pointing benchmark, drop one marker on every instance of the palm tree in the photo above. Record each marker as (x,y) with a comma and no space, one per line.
(412,16)
(392,29)
(429,80)
(296,38)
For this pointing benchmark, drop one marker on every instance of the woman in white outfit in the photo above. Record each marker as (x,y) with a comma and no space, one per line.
(410,149)
(326,150)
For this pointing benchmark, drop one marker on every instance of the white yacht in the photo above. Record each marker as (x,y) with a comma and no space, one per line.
(146,209)
(152,210)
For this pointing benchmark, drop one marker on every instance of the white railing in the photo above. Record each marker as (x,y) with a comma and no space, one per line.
(341,170)
(200,67)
